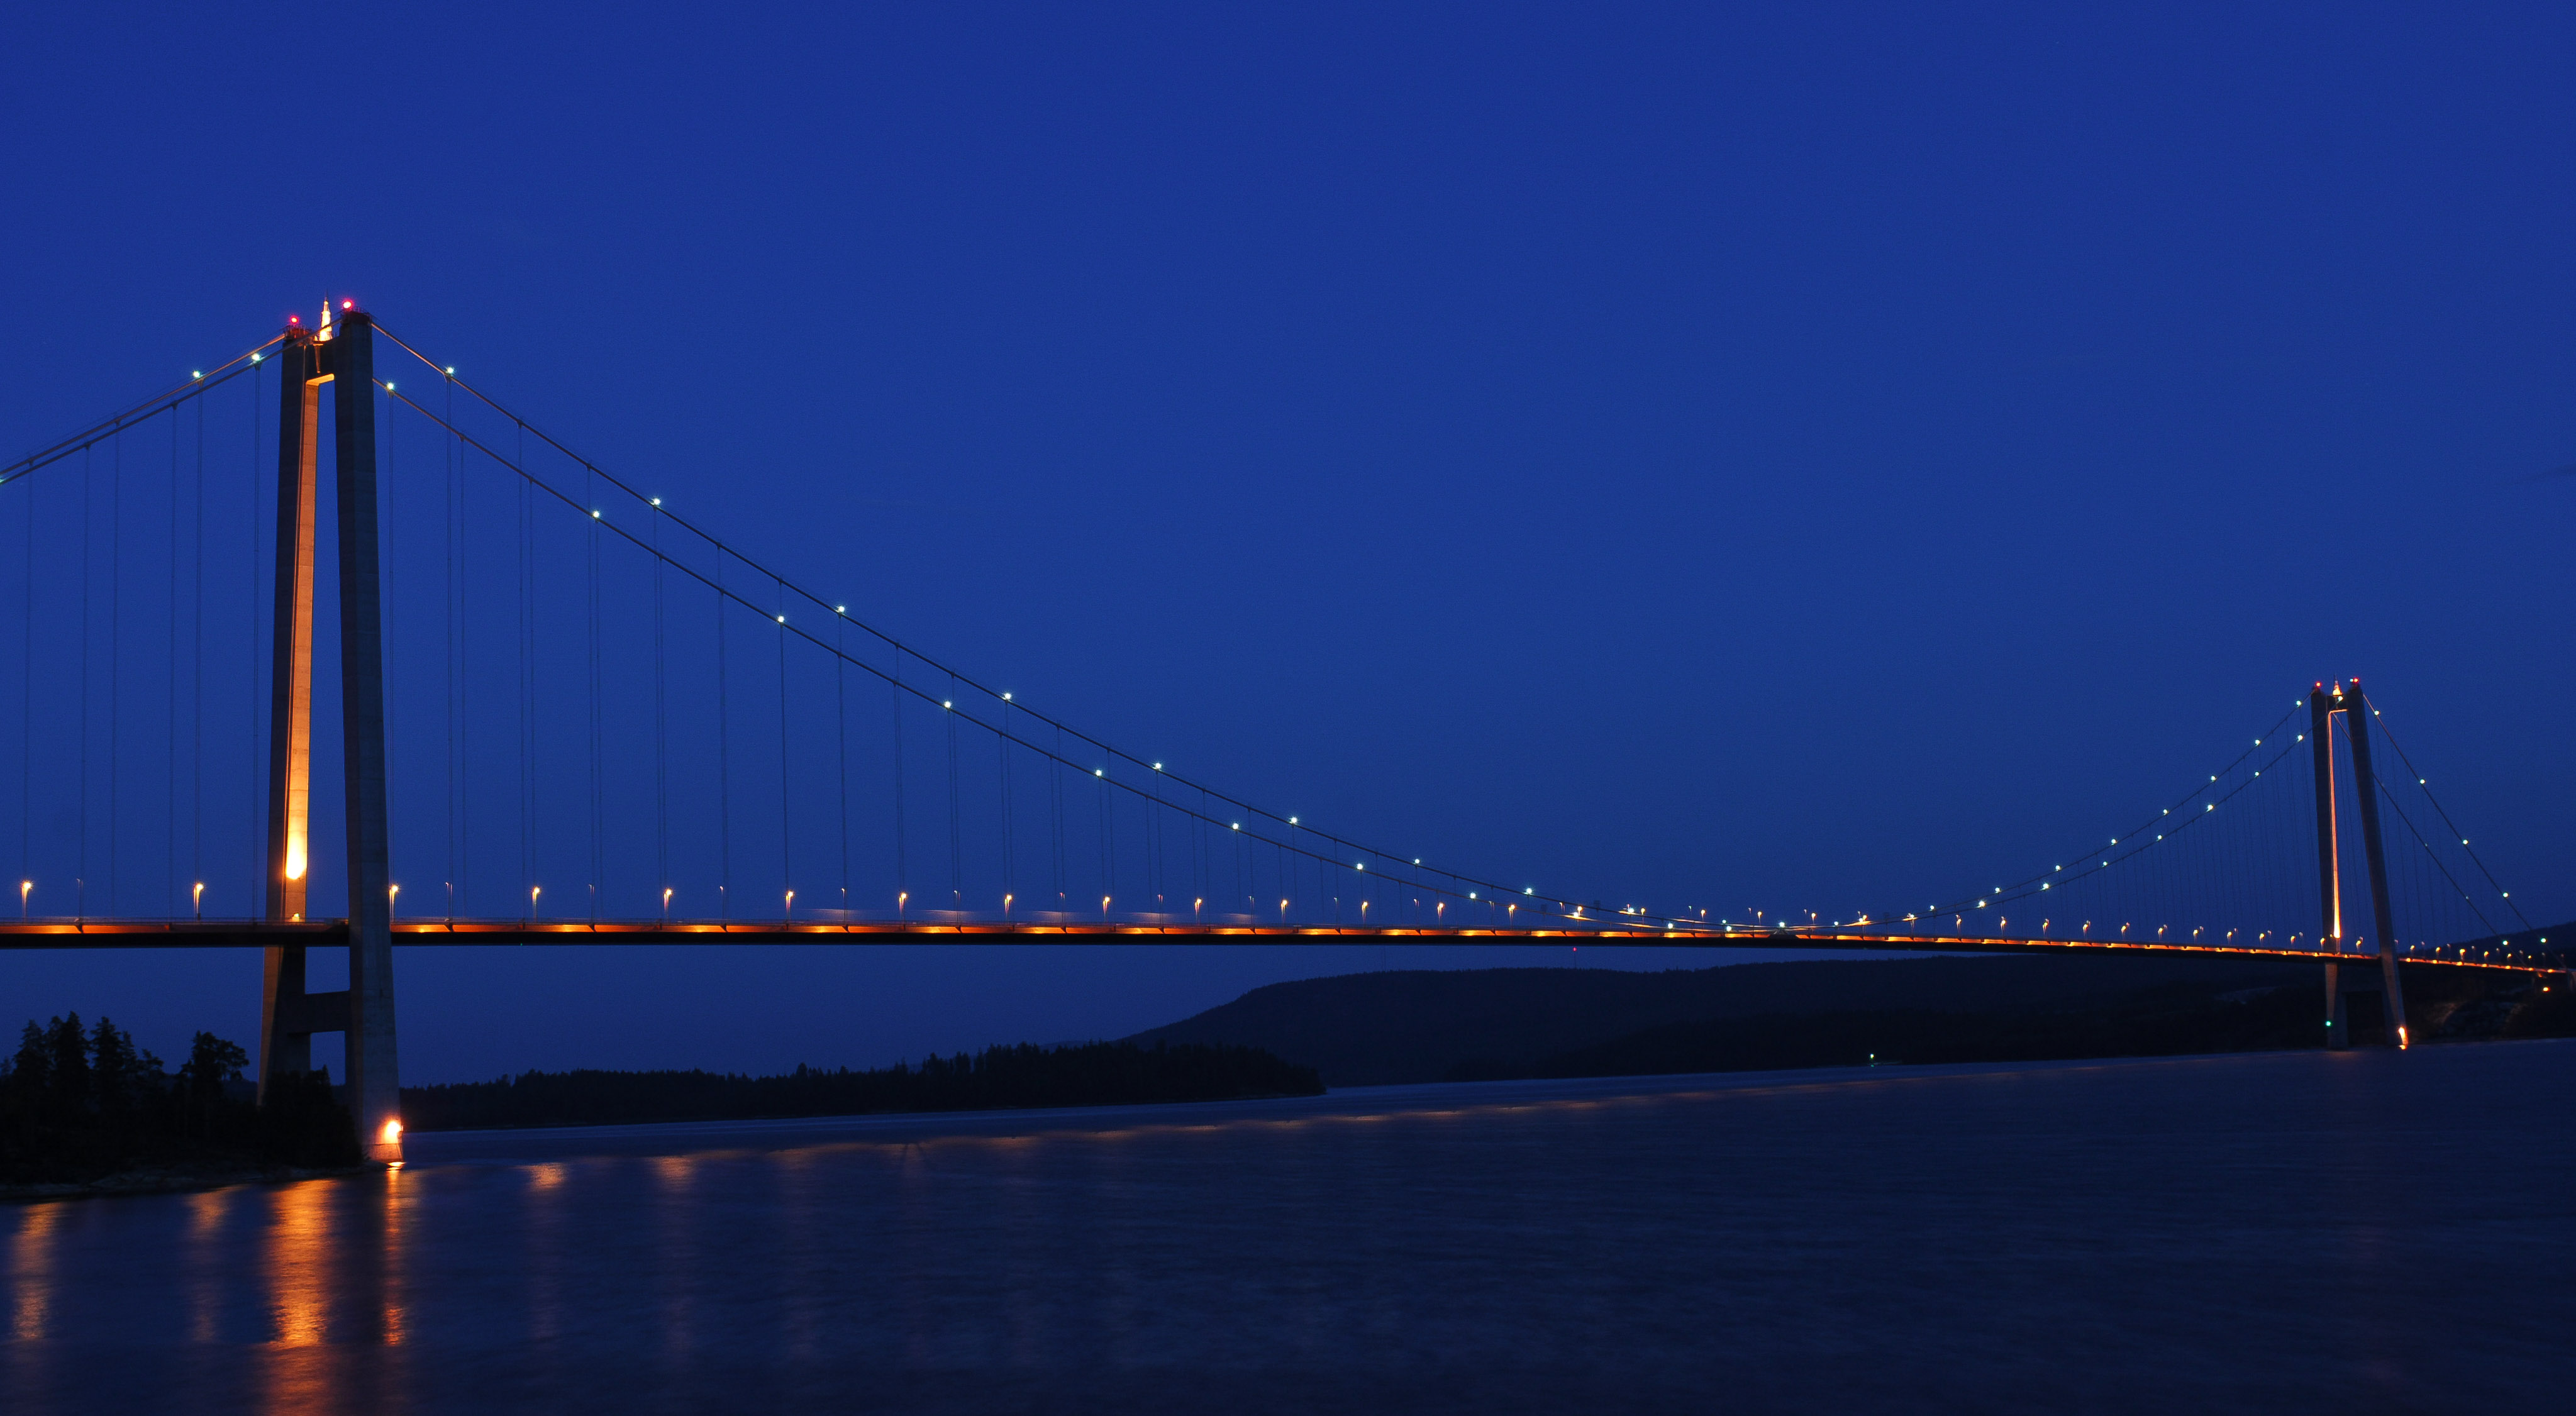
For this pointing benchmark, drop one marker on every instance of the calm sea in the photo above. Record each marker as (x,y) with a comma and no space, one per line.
(2278,1233)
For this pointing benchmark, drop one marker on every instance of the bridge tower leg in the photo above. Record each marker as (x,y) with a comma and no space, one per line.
(2329,867)
(289,1016)
(375,1090)
(2324,705)
(2366,786)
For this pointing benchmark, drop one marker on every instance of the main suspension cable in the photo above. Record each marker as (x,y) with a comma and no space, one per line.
(1342,846)
(726,595)
(105,428)
(2453,827)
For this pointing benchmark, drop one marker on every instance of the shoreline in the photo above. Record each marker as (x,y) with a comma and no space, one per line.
(169,1182)
(650,1139)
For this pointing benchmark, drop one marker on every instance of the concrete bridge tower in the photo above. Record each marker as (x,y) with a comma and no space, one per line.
(342,356)
(2326,703)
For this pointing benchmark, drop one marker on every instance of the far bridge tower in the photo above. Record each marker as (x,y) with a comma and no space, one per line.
(2326,704)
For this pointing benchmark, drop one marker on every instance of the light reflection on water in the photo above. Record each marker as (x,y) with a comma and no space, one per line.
(207,1213)
(31,1269)
(676,1254)
(302,1252)
(2281,1233)
(541,1221)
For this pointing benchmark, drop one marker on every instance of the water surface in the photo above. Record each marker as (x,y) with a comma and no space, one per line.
(2277,1233)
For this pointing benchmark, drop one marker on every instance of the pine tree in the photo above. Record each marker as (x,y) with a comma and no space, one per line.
(115,1073)
(31,1072)
(211,1063)
(67,1049)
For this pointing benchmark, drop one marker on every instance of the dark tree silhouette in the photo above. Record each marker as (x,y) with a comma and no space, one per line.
(79,1104)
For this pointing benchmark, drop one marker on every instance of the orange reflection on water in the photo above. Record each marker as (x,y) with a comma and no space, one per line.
(297,1256)
(31,1269)
(678,1251)
(206,1212)
(298,1253)
(390,1321)
(545,1220)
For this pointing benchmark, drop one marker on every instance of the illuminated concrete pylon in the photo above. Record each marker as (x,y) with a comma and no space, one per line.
(2325,704)
(343,356)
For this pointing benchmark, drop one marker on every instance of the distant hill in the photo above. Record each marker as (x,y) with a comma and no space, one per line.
(1070,1074)
(1426,1025)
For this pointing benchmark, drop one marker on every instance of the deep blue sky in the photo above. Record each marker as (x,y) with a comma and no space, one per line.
(1792,459)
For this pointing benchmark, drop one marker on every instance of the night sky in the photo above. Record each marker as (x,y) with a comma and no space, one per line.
(1786,460)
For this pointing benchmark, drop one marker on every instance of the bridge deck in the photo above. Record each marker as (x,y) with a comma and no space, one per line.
(2511,952)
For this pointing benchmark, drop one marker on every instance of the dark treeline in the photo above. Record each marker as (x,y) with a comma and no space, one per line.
(1081,1074)
(2442,1005)
(79,1105)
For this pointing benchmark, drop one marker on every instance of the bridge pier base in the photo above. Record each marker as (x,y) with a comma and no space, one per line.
(2370,981)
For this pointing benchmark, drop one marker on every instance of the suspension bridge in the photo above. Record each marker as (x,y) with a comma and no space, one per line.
(569,714)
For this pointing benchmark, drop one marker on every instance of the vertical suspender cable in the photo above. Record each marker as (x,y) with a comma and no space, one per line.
(449,595)
(956,829)
(1010,857)
(254,836)
(527,692)
(786,841)
(661,732)
(724,756)
(902,857)
(170,697)
(464,675)
(1055,811)
(197,678)
(80,881)
(841,720)
(598,820)
(385,601)
(115,646)
(27,719)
